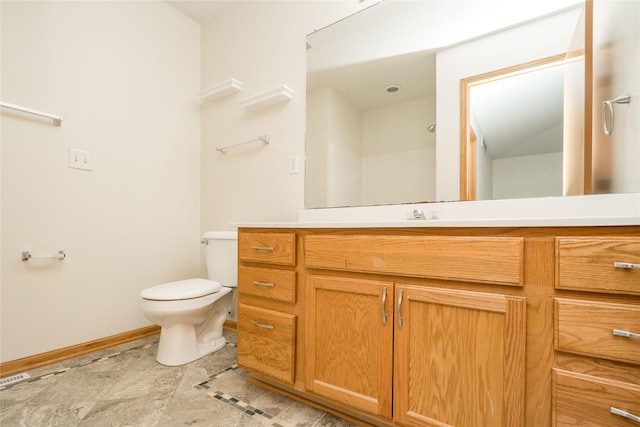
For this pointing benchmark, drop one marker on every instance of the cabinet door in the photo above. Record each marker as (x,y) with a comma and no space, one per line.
(459,358)
(349,347)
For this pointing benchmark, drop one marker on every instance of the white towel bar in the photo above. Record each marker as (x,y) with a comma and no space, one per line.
(263,138)
(57,120)
(26,256)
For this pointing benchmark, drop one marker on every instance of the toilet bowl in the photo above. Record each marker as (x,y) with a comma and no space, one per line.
(191,312)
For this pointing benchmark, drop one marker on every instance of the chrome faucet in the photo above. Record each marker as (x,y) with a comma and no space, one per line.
(418,214)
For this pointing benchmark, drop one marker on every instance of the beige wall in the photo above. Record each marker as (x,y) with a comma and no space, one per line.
(126,77)
(262,44)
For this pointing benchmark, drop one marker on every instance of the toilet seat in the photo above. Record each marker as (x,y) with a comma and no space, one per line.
(182,289)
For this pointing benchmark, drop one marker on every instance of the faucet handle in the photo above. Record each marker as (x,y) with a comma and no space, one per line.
(416,214)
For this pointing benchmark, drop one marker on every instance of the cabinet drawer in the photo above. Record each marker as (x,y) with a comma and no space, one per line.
(278,285)
(272,248)
(587,264)
(584,400)
(587,327)
(497,260)
(266,341)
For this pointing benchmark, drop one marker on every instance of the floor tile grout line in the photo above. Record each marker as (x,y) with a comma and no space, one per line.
(239,404)
(83,364)
(221,373)
(78,365)
(247,409)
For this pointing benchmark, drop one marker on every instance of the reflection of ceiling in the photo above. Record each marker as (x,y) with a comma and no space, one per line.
(527,119)
(364,84)
(398,27)
(395,42)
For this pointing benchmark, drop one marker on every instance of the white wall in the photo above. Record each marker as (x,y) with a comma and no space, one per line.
(344,165)
(527,176)
(263,45)
(316,147)
(125,76)
(399,162)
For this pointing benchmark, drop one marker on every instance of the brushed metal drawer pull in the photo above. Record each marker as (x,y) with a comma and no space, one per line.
(384,300)
(263,248)
(266,284)
(260,325)
(627,334)
(399,309)
(625,265)
(625,414)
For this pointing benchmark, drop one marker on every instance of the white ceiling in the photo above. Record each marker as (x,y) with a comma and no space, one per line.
(202,11)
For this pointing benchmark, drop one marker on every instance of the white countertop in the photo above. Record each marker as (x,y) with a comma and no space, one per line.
(507,222)
(595,210)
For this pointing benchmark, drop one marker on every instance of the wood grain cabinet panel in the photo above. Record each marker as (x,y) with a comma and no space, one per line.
(459,358)
(266,341)
(598,329)
(497,260)
(349,353)
(268,283)
(587,401)
(588,264)
(271,248)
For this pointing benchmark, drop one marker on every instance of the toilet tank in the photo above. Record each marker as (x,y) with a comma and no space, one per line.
(221,255)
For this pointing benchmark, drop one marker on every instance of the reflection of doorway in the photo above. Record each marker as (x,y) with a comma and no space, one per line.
(516,115)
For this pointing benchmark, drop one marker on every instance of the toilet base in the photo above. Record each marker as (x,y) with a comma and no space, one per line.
(178,345)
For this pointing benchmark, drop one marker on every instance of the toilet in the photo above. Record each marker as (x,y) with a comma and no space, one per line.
(191,312)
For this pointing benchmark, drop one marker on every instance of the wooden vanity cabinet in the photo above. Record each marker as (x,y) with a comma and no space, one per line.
(451,326)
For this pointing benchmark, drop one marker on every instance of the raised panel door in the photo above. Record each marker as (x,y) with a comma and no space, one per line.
(459,358)
(349,345)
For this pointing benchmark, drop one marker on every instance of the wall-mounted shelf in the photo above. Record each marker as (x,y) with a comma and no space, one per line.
(265,99)
(225,88)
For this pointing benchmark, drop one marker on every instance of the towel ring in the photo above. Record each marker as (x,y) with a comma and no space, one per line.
(608,106)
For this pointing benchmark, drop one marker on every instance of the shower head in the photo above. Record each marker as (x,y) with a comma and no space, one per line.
(432,128)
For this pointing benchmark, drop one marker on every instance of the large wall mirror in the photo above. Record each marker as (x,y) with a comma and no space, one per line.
(385,121)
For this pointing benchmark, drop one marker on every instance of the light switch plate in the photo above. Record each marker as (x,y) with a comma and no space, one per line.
(294,164)
(79,159)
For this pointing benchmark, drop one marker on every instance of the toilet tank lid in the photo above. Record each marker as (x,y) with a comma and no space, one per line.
(222,235)
(182,289)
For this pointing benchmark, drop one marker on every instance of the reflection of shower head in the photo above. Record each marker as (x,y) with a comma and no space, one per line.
(432,128)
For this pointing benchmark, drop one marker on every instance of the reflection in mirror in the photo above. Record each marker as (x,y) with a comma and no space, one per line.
(368,134)
(559,103)
(368,143)
(512,126)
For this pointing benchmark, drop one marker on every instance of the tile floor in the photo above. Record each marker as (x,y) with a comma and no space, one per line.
(125,386)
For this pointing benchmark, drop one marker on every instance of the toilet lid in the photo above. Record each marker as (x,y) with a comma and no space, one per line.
(182,289)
